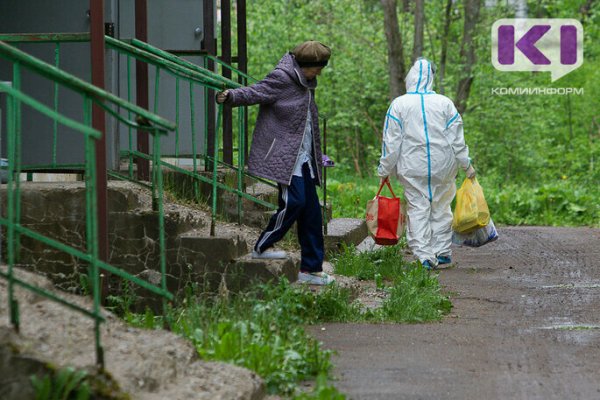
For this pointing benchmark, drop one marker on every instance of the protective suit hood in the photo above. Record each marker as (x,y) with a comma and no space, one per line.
(420,77)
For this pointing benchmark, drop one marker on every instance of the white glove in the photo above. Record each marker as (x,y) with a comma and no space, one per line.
(222,96)
(470,172)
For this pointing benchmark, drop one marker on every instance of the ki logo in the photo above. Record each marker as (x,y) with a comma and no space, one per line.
(544,44)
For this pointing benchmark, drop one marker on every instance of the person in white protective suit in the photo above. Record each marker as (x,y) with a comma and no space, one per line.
(423,145)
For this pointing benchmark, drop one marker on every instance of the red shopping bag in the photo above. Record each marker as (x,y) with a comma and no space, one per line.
(385,219)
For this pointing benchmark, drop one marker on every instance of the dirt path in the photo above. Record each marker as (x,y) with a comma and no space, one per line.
(525,325)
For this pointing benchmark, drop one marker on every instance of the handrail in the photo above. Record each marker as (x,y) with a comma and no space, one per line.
(13,224)
(174,68)
(180,69)
(187,70)
(229,67)
(184,63)
(203,53)
(16,98)
(80,85)
(46,37)
(66,121)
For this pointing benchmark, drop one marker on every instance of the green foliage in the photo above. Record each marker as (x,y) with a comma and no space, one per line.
(415,297)
(261,330)
(348,195)
(66,384)
(523,147)
(387,262)
(414,294)
(560,202)
(122,303)
(334,304)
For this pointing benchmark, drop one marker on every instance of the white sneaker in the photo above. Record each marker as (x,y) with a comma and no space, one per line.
(315,278)
(270,255)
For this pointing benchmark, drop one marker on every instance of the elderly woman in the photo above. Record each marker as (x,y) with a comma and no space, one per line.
(286,148)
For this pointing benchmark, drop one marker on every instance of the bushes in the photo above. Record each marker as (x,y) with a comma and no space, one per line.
(562,202)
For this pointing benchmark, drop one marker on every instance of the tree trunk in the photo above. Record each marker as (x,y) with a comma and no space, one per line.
(444,52)
(406,6)
(419,23)
(395,49)
(467,54)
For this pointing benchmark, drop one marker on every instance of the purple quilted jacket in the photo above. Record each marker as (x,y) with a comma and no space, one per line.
(284,96)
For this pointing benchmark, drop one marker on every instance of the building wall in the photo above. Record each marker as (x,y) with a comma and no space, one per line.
(171,25)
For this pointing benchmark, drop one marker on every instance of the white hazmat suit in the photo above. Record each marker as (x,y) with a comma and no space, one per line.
(423,145)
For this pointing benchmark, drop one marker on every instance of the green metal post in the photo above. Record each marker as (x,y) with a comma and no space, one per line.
(214,177)
(194,150)
(92,226)
(158,183)
(56,86)
(206,100)
(240,169)
(177,117)
(156,87)
(17,157)
(11,193)
(129,128)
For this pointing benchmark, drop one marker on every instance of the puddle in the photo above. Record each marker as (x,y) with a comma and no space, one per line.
(579,334)
(571,327)
(572,286)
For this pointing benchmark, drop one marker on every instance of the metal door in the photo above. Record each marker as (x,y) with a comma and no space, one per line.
(42,16)
(172,25)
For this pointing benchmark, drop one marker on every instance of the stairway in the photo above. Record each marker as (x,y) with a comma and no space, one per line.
(211,263)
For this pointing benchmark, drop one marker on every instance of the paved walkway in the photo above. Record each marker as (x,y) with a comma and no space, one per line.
(525,325)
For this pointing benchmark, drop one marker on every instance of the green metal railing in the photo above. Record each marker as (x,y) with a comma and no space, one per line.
(90,94)
(194,74)
(184,72)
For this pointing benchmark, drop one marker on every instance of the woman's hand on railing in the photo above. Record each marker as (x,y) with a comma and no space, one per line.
(222,96)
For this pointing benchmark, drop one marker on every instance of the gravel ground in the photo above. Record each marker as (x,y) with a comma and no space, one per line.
(525,325)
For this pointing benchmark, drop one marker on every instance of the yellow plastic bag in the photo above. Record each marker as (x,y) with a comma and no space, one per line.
(471,211)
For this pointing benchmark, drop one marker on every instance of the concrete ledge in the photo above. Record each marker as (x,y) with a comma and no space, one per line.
(247,270)
(344,231)
(141,364)
(212,250)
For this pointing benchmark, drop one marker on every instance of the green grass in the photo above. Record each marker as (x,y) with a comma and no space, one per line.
(413,293)
(387,261)
(415,296)
(263,329)
(563,202)
(66,383)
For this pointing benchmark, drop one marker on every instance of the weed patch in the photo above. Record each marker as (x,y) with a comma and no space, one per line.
(415,297)
(263,329)
(413,294)
(387,262)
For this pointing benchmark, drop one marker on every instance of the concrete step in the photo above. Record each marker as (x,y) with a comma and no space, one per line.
(253,214)
(349,231)
(212,251)
(245,270)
